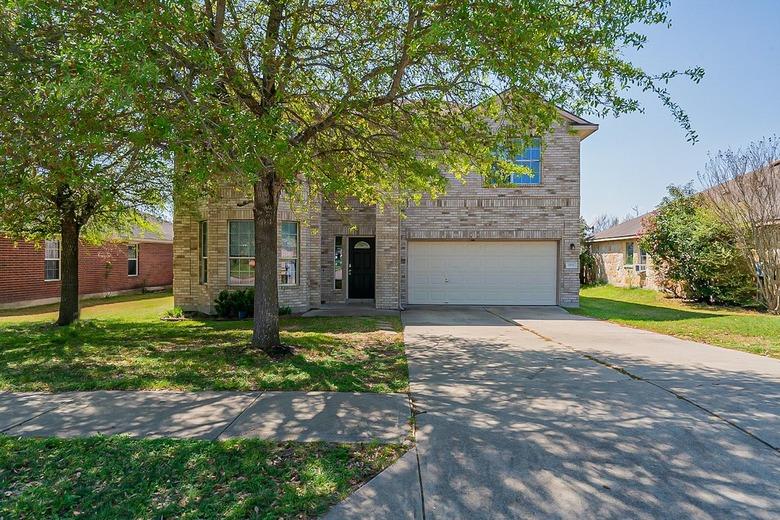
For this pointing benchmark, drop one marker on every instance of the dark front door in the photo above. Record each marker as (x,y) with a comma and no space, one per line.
(361,268)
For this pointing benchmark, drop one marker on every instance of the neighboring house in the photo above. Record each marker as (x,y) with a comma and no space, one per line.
(515,245)
(30,272)
(620,259)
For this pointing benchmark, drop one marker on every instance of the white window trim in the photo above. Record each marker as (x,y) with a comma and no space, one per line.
(229,258)
(297,258)
(541,168)
(137,260)
(58,259)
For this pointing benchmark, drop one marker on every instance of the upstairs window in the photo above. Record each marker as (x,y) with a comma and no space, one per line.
(530,158)
(132,260)
(51,260)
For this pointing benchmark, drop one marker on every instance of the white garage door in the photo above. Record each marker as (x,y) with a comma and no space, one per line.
(490,273)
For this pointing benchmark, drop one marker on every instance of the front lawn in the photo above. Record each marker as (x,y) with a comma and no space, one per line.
(121,344)
(734,328)
(118,477)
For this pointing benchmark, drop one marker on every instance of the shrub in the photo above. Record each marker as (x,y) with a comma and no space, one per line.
(695,253)
(229,304)
(232,304)
(177,313)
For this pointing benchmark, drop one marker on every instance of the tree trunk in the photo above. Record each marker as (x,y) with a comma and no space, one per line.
(69,271)
(265,334)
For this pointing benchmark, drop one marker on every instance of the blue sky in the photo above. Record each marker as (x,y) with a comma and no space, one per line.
(631,159)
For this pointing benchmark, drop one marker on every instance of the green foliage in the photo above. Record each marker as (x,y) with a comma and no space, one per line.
(234,303)
(79,122)
(696,252)
(176,313)
(587,260)
(269,90)
(240,303)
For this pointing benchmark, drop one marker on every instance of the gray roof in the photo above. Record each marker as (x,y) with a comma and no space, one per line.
(628,229)
(162,232)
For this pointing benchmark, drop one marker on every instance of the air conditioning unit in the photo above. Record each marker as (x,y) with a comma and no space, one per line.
(640,268)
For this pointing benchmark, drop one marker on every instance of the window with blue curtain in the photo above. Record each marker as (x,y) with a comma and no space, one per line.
(531,158)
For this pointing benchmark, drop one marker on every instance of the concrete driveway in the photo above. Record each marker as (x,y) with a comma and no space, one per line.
(534,413)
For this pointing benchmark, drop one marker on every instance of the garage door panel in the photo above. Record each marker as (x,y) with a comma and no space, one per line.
(488,273)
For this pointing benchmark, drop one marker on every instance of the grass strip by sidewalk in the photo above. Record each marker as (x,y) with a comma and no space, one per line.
(729,327)
(119,477)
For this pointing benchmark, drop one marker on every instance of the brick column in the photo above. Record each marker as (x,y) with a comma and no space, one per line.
(314,255)
(387,257)
(182,258)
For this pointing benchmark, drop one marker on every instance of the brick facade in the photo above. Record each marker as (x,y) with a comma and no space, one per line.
(228,205)
(468,211)
(102,271)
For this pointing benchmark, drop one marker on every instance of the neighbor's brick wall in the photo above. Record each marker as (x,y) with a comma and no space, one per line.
(549,211)
(102,269)
(610,266)
(230,204)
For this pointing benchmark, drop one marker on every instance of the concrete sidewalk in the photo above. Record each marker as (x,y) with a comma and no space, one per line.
(300,416)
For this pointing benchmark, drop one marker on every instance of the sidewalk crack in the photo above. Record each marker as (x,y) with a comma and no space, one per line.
(247,407)
(415,413)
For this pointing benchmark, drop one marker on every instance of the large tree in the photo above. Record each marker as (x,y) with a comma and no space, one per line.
(371,99)
(78,152)
(743,190)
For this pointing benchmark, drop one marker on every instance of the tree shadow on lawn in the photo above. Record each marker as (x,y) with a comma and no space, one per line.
(619,310)
(194,355)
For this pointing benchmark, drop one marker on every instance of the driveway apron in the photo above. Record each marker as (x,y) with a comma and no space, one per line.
(512,423)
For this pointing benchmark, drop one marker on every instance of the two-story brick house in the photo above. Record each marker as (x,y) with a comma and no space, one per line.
(509,245)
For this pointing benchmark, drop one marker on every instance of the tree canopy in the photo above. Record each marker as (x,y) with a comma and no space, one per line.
(78,135)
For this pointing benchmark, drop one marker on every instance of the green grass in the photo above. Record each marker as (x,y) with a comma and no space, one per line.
(118,477)
(739,329)
(121,344)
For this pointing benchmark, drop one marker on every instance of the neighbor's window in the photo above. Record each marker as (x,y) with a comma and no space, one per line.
(288,261)
(629,260)
(338,265)
(642,256)
(51,260)
(203,246)
(132,260)
(241,252)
